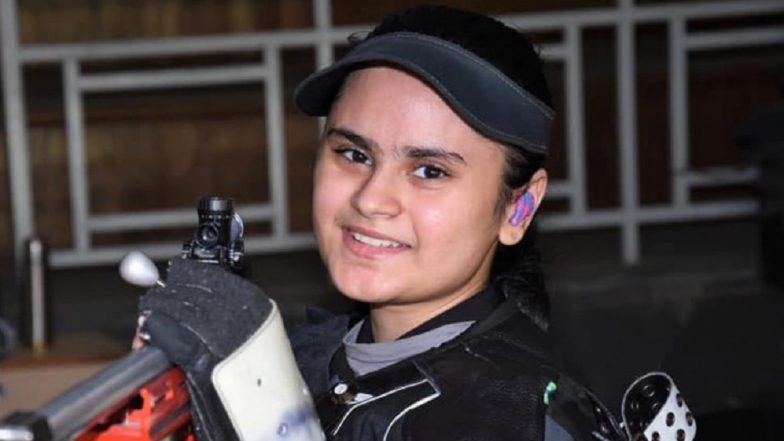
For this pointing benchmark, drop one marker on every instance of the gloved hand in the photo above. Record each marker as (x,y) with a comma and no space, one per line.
(228,338)
(202,316)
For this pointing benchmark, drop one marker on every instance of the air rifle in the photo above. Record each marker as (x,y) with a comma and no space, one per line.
(140,397)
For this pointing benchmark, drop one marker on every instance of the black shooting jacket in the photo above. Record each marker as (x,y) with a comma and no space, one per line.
(496,381)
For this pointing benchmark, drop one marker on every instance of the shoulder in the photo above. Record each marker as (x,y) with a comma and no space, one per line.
(501,384)
(506,349)
(490,385)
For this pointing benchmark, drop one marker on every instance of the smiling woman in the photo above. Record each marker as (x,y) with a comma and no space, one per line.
(427,180)
(428,176)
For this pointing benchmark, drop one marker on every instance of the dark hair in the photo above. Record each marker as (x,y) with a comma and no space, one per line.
(516,270)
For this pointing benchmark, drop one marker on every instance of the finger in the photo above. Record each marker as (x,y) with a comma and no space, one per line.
(138,342)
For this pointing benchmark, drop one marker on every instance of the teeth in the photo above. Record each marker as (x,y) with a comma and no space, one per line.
(375,242)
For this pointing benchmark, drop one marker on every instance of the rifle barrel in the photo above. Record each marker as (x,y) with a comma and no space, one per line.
(70,412)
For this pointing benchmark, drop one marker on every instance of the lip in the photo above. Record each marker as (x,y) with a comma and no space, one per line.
(369,251)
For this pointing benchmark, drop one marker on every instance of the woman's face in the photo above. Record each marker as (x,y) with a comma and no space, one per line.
(405,195)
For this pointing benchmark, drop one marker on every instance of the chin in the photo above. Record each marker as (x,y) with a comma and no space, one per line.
(357,284)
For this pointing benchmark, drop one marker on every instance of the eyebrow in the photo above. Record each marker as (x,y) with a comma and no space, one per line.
(355,138)
(416,152)
(433,152)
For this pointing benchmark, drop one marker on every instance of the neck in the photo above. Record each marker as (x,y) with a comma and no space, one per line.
(391,321)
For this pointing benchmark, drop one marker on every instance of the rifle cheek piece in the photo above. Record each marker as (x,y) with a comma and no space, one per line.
(261,378)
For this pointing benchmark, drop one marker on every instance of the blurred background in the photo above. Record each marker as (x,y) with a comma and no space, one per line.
(662,236)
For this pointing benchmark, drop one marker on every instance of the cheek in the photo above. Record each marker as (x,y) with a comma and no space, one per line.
(435,220)
(457,220)
(444,222)
(332,192)
(324,197)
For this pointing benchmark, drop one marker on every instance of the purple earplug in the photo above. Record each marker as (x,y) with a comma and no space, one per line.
(523,208)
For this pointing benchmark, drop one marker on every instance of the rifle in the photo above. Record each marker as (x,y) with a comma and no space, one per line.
(140,397)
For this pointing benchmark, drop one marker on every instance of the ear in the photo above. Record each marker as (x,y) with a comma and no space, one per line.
(510,234)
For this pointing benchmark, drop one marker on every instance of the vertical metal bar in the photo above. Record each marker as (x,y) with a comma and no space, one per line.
(679,111)
(575,114)
(77,168)
(16,131)
(325,54)
(627,134)
(322,18)
(38,310)
(276,145)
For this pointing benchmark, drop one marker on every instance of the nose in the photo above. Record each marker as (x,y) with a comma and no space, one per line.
(378,195)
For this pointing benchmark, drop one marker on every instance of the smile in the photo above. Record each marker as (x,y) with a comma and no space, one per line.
(379,243)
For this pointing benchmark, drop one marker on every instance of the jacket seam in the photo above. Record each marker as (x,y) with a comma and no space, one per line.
(411,407)
(370,400)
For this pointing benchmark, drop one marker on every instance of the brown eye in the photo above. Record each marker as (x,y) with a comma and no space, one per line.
(430,172)
(354,155)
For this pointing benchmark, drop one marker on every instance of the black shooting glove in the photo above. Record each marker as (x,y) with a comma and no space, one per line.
(203,315)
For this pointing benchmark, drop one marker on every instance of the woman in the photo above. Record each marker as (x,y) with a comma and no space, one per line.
(427,180)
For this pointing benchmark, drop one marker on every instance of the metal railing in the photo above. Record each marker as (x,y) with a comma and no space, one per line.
(629,216)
